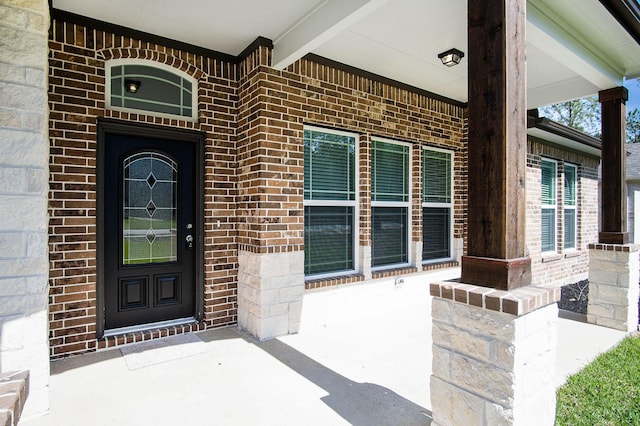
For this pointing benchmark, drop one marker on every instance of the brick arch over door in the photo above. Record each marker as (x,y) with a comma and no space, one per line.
(152,56)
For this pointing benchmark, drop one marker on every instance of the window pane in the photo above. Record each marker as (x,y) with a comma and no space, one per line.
(329,166)
(570,228)
(389,236)
(435,233)
(548,229)
(570,185)
(159,91)
(548,182)
(390,172)
(436,176)
(328,239)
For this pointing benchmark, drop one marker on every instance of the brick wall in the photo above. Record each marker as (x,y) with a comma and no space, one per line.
(275,105)
(76,101)
(565,266)
(321,95)
(254,160)
(253,117)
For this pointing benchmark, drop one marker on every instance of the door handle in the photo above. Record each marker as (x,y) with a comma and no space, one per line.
(189,242)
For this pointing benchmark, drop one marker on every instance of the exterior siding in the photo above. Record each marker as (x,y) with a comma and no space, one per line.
(76,101)
(564,266)
(253,117)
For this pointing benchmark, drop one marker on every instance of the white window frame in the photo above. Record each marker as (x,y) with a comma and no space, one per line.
(569,207)
(355,204)
(135,61)
(553,207)
(404,204)
(448,205)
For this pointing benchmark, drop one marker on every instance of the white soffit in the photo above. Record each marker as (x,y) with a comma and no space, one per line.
(319,26)
(574,47)
(584,37)
(226,26)
(401,40)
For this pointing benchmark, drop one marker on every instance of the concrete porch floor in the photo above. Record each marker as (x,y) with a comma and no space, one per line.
(362,357)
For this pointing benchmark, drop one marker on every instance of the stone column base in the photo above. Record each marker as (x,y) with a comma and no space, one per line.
(270,290)
(493,355)
(613,286)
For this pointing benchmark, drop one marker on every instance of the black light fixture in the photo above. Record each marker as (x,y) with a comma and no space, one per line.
(451,57)
(132,86)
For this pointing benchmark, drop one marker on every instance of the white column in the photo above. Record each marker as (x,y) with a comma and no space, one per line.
(24,177)
(613,286)
(493,355)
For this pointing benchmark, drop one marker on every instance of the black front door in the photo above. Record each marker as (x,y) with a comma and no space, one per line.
(150,230)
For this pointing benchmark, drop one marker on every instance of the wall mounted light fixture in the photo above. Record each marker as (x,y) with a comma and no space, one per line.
(132,86)
(451,57)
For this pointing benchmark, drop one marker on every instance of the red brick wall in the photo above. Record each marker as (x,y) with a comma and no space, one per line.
(565,265)
(253,117)
(76,101)
(253,166)
(270,164)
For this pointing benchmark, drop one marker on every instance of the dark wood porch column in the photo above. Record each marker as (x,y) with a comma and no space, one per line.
(614,185)
(497,145)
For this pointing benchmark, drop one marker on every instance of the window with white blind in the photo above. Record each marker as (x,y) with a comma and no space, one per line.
(569,207)
(330,202)
(548,192)
(390,202)
(437,206)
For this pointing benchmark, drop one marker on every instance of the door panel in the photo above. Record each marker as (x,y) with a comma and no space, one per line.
(149,227)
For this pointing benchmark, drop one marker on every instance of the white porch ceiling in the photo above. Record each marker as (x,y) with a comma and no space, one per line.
(574,47)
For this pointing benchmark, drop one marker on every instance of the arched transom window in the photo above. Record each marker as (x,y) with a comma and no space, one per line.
(152,87)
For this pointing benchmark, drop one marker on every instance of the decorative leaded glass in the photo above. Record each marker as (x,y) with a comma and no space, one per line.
(149,209)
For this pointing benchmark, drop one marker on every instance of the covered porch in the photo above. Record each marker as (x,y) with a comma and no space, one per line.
(362,357)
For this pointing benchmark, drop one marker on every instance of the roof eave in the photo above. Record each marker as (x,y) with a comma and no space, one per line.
(627,13)
(567,137)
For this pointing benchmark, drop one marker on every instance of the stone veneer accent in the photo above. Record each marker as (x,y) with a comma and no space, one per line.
(613,286)
(24,154)
(14,391)
(493,355)
(270,289)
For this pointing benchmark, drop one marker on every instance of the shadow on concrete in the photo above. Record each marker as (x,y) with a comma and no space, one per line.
(62,365)
(357,403)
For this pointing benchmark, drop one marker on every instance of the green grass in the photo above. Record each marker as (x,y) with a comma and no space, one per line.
(606,392)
